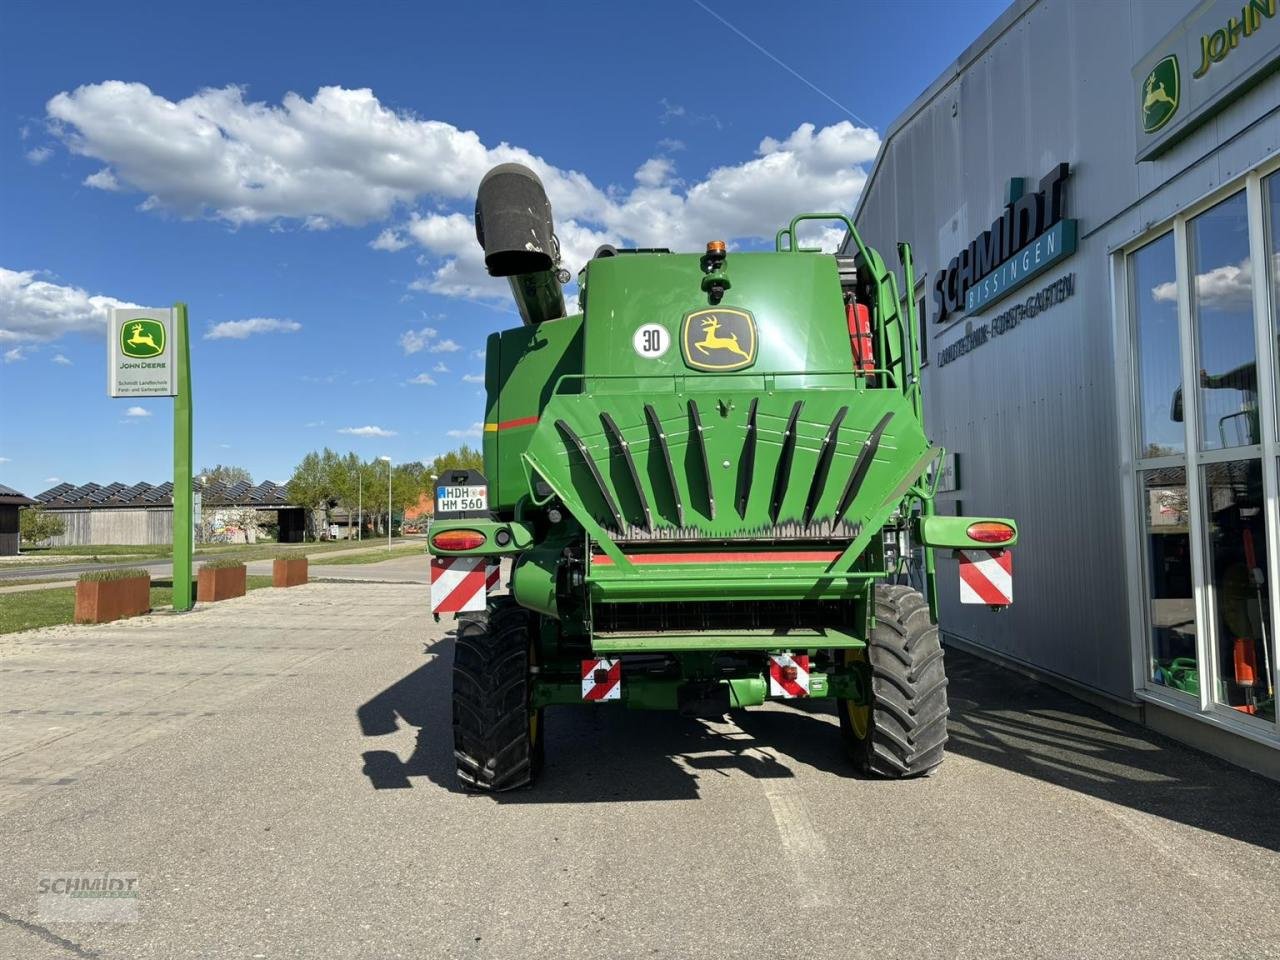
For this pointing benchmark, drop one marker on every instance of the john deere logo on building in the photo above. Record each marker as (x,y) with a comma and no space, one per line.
(142,339)
(719,339)
(1160,94)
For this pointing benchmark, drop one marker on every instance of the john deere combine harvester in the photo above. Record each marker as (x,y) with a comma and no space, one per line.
(704,479)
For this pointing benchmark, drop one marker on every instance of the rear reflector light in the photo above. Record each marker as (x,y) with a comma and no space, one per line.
(989,531)
(457,539)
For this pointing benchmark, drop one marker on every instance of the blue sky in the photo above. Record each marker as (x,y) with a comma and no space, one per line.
(303,176)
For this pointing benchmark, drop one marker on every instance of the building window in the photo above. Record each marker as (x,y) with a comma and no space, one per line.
(1236,546)
(1222,316)
(1205,460)
(1271,194)
(1153,279)
(1171,606)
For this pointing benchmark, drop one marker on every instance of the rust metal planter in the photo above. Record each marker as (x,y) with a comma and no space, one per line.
(101,601)
(220,583)
(288,573)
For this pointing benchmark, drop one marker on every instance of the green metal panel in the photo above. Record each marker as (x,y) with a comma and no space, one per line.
(523,367)
(821,637)
(183,528)
(795,300)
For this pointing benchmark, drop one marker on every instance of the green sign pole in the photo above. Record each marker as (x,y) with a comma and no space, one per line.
(182,522)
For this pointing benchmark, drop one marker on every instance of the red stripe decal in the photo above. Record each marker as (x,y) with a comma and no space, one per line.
(600,689)
(764,556)
(522,422)
(980,585)
(471,584)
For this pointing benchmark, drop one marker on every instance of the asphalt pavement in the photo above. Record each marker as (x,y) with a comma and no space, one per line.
(276,773)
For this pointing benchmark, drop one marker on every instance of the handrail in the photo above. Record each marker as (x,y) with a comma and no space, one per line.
(858,378)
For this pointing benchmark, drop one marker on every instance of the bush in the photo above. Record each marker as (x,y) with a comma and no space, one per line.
(100,576)
(291,555)
(221,563)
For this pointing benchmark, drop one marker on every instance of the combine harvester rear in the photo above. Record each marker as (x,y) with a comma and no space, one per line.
(704,481)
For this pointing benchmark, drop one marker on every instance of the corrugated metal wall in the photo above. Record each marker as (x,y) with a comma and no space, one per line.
(1032,414)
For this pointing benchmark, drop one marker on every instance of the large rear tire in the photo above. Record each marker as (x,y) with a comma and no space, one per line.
(497,735)
(903,731)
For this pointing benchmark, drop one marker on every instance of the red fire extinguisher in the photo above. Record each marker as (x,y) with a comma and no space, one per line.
(858,316)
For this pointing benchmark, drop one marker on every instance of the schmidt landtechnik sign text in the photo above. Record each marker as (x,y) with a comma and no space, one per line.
(1030,236)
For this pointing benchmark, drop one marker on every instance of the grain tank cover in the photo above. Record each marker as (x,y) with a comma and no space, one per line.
(513,222)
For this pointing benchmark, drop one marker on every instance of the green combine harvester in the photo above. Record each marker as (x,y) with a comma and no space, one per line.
(705,479)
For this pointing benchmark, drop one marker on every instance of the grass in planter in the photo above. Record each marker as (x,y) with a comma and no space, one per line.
(33,609)
(222,563)
(116,573)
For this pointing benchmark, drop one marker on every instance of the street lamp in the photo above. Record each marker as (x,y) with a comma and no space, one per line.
(388,462)
(360,508)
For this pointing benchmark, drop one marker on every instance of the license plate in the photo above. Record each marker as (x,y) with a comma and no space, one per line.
(459,499)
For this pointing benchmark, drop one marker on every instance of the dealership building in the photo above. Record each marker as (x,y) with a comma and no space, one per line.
(1092,194)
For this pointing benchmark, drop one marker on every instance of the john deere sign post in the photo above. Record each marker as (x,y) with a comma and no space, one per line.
(148,356)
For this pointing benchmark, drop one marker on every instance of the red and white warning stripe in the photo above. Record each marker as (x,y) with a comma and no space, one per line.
(493,574)
(788,675)
(986,576)
(457,584)
(601,680)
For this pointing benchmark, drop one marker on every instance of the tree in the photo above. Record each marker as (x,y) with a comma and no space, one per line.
(226,475)
(35,525)
(464,458)
(311,485)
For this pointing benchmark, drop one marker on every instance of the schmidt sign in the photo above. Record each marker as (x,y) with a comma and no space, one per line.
(1028,237)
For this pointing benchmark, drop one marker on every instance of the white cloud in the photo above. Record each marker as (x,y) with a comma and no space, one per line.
(314,423)
(343,157)
(5,460)
(104,179)
(14,355)
(32,309)
(475,430)
(241,329)
(52,479)
(389,240)
(1228,287)
(137,412)
(61,360)
(367,432)
(473,378)
(444,346)
(423,378)
(38,155)
(440,367)
(670,144)
(655,171)
(412,341)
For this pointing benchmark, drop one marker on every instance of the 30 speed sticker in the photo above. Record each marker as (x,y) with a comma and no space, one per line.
(651,341)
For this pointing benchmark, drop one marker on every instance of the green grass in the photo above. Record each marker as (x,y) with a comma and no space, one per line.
(115,573)
(108,553)
(222,563)
(375,555)
(33,609)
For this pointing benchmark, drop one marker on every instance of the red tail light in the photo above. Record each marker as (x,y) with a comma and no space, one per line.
(457,539)
(990,531)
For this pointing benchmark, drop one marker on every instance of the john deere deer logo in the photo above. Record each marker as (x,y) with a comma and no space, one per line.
(142,338)
(1160,94)
(719,339)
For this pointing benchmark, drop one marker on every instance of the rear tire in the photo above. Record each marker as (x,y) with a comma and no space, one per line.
(497,735)
(903,731)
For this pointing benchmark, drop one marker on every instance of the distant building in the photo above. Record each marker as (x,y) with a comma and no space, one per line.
(143,513)
(418,517)
(11,501)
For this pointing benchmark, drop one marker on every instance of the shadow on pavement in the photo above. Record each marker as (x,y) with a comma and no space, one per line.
(998,717)
(1008,720)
